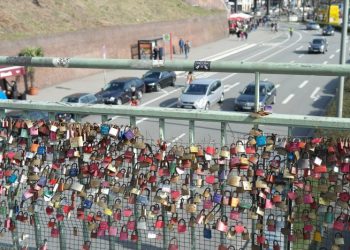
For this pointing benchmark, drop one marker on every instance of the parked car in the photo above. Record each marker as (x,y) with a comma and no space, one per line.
(201,93)
(318,45)
(119,91)
(156,80)
(328,30)
(246,99)
(81,97)
(312,26)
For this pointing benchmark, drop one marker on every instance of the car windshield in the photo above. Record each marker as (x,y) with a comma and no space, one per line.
(250,90)
(196,89)
(317,41)
(152,74)
(114,86)
(74,99)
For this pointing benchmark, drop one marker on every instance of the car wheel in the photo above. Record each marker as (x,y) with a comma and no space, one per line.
(139,94)
(207,106)
(119,101)
(273,100)
(158,87)
(173,82)
(221,100)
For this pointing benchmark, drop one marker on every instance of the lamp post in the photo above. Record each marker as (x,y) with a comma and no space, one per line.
(303,18)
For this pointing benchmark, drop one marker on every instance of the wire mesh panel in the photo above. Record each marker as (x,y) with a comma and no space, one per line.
(90,186)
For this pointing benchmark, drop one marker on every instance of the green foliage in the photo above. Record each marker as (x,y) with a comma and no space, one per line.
(31,52)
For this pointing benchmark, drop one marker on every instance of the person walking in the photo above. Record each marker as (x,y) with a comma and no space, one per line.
(290,31)
(190,77)
(155,52)
(187,49)
(181,45)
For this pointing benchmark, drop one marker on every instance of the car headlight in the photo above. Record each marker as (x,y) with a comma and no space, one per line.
(200,102)
(112,98)
(322,46)
(152,84)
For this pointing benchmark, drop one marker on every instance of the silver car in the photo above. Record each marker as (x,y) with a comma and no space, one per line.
(312,26)
(201,93)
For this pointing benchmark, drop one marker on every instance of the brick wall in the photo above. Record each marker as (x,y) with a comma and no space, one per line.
(117,39)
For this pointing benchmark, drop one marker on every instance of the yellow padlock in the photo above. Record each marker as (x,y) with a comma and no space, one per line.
(317,236)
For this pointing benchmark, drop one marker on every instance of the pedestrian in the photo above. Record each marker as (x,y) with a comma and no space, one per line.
(155,52)
(181,45)
(3,95)
(245,33)
(190,77)
(186,49)
(276,27)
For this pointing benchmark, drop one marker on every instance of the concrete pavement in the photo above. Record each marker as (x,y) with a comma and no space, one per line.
(95,82)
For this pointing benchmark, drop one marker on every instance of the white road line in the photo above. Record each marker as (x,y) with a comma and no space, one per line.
(292,61)
(277,86)
(303,84)
(285,101)
(331,56)
(164,91)
(215,58)
(265,79)
(299,48)
(300,56)
(313,94)
(232,86)
(325,62)
(227,77)
(159,97)
(176,139)
(337,51)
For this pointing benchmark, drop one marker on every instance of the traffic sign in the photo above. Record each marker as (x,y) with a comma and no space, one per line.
(166,37)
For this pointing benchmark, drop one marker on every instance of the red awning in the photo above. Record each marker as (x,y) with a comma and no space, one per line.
(11,71)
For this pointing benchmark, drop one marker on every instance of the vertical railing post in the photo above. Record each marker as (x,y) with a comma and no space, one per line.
(164,213)
(136,212)
(11,199)
(288,246)
(257,93)
(62,233)
(191,141)
(37,230)
(111,240)
(222,170)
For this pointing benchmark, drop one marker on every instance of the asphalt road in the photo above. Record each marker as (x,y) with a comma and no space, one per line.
(307,95)
(303,95)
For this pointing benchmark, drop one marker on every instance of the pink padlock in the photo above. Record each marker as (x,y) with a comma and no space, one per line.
(123,233)
(221,224)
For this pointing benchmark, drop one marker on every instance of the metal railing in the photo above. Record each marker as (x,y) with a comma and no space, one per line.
(192,116)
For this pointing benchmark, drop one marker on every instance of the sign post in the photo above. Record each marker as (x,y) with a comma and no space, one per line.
(167,38)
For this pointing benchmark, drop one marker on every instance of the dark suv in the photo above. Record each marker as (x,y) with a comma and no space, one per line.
(119,91)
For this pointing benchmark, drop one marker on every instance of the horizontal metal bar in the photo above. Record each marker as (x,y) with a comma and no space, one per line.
(181,65)
(181,114)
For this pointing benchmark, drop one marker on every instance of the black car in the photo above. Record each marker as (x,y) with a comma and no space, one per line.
(156,80)
(328,31)
(82,97)
(246,100)
(120,90)
(318,45)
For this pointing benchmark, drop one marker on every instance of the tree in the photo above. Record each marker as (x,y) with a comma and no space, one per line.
(31,52)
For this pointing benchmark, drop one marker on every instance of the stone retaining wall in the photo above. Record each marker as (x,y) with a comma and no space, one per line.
(118,41)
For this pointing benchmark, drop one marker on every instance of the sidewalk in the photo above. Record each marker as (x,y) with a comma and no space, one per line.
(95,82)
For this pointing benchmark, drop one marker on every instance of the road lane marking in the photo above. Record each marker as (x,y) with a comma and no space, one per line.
(285,101)
(164,91)
(303,84)
(337,51)
(299,48)
(331,56)
(313,94)
(265,79)
(176,139)
(277,86)
(231,87)
(292,61)
(229,76)
(215,58)
(325,62)
(300,56)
